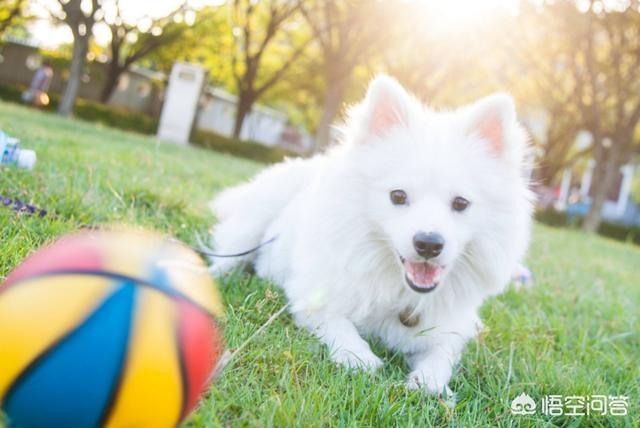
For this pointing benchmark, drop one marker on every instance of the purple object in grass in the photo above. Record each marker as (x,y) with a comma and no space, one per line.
(21,207)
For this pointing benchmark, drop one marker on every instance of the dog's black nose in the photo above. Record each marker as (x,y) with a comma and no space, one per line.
(428,245)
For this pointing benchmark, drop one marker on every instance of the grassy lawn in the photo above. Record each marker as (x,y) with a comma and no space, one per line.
(575,333)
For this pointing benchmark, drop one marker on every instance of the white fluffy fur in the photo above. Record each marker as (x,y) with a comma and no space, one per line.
(339,236)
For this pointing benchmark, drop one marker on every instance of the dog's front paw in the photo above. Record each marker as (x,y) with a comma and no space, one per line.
(429,380)
(363,360)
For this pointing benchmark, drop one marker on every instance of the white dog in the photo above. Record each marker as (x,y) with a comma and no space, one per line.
(400,232)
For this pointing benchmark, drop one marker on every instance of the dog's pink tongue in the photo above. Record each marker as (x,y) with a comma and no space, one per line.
(423,273)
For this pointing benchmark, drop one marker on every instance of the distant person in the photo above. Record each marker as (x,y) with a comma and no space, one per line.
(37,95)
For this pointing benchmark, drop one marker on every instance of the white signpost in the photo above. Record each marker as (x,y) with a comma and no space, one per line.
(181,102)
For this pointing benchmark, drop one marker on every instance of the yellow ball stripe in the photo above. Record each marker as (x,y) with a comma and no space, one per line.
(187,273)
(56,305)
(150,392)
(185,270)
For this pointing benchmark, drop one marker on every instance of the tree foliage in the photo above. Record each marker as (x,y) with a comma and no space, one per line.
(268,41)
(133,41)
(10,12)
(208,42)
(589,62)
(347,33)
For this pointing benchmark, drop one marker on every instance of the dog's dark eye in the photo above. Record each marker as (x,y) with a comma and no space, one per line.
(398,197)
(460,204)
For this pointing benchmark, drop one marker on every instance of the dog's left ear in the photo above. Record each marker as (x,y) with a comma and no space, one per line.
(493,119)
(385,105)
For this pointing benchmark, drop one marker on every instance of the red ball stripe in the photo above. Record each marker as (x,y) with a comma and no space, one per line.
(71,253)
(201,345)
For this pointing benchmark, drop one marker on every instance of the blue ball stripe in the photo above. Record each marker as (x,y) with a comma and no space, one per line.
(73,384)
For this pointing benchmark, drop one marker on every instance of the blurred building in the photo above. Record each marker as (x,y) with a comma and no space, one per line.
(142,90)
(575,195)
(217,114)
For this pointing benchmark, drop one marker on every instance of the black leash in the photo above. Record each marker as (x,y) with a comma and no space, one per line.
(244,253)
(22,207)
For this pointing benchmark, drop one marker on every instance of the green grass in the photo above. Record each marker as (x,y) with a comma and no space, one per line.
(141,123)
(575,333)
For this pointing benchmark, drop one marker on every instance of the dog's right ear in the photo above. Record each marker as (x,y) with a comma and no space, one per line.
(385,105)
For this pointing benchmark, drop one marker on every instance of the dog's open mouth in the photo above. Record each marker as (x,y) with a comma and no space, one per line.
(422,277)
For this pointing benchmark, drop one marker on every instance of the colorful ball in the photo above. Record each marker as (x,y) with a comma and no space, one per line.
(109,327)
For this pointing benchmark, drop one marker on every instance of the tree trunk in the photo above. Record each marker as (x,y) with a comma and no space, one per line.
(244,107)
(331,107)
(80,48)
(113,75)
(604,176)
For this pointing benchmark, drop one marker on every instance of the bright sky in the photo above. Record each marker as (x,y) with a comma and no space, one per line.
(456,15)
(49,35)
